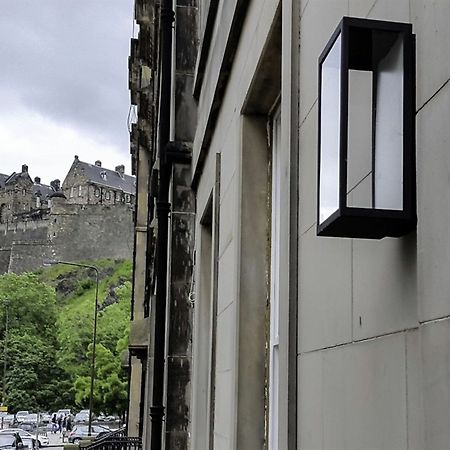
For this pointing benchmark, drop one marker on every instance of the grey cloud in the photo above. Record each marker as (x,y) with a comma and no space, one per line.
(67,60)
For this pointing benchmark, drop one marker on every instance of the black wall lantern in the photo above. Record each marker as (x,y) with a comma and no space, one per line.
(366,165)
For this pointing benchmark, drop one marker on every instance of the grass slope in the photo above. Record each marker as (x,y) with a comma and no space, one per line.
(75,290)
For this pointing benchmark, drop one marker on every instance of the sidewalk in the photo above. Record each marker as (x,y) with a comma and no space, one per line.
(55,440)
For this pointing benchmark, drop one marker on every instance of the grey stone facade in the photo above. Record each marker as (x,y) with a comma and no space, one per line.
(16,196)
(298,341)
(69,232)
(150,162)
(38,222)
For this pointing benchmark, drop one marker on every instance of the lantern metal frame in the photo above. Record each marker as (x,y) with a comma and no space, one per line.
(357,222)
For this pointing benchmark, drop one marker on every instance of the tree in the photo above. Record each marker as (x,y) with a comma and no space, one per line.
(50,337)
(31,305)
(31,342)
(110,389)
(33,374)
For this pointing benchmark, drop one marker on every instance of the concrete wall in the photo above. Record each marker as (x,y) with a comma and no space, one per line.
(373,323)
(238,412)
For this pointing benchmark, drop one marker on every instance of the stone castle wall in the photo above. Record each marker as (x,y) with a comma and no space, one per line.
(71,233)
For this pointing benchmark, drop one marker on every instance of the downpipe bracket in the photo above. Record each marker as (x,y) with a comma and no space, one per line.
(157,413)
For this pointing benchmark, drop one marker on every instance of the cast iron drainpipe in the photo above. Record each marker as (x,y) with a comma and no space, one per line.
(162,211)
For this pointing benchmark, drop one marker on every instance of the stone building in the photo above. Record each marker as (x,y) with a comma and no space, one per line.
(289,340)
(21,198)
(16,194)
(91,184)
(93,221)
(160,181)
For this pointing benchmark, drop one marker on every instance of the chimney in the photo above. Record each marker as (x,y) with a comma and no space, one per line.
(24,168)
(76,157)
(98,163)
(55,184)
(120,170)
(37,180)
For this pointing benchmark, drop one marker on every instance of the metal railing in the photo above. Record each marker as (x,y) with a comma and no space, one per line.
(116,440)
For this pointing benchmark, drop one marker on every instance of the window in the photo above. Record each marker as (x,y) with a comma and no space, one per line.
(97,192)
(80,191)
(72,190)
(108,195)
(275,268)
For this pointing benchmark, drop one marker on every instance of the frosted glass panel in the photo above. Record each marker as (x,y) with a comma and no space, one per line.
(389,130)
(359,150)
(330,118)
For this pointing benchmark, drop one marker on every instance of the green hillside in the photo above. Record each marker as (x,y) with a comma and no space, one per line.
(49,342)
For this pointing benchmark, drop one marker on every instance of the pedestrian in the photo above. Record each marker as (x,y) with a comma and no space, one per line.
(69,424)
(64,425)
(54,424)
(60,423)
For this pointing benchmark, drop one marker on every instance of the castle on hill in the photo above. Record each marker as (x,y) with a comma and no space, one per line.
(89,216)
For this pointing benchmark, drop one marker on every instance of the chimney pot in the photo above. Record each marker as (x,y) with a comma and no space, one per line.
(120,169)
(98,163)
(55,184)
(37,180)
(24,168)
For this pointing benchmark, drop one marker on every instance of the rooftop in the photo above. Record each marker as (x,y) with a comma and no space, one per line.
(109,178)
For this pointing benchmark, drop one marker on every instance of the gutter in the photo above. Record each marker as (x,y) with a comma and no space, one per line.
(163,207)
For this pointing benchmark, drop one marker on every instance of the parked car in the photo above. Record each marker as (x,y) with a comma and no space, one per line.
(82,416)
(28,426)
(45,418)
(20,415)
(30,418)
(80,432)
(29,439)
(6,420)
(103,434)
(63,412)
(11,441)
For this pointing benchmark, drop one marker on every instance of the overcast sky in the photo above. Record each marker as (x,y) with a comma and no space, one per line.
(64,84)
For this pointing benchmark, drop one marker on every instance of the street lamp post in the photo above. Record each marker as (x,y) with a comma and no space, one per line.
(5,350)
(52,262)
